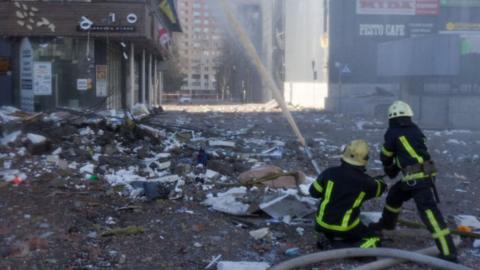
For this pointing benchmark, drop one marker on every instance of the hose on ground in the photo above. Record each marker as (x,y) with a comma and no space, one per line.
(374,252)
(386,263)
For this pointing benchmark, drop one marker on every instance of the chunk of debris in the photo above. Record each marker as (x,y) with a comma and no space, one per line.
(140,110)
(288,205)
(10,137)
(130,230)
(370,217)
(219,143)
(226,265)
(228,203)
(152,190)
(277,178)
(467,220)
(35,138)
(260,233)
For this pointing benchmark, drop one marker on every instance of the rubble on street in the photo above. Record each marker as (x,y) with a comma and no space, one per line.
(195,187)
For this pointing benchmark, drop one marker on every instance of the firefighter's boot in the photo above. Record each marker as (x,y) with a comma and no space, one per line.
(387,222)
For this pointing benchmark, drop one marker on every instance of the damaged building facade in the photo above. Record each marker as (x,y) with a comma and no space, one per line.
(83,54)
(359,56)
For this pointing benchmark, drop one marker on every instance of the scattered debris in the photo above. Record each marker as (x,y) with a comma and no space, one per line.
(213,261)
(289,205)
(260,233)
(227,202)
(467,220)
(168,172)
(218,143)
(130,230)
(226,265)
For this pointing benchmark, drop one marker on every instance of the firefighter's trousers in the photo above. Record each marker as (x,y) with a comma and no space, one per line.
(427,208)
(360,236)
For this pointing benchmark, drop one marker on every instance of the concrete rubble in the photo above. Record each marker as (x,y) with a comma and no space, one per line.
(193,183)
(242,266)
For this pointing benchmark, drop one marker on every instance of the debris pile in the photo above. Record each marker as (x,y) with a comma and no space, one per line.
(209,176)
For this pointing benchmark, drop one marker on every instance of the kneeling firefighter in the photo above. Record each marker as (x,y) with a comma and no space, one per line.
(342,190)
(405,151)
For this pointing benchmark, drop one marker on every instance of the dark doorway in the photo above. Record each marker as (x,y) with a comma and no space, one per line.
(6,73)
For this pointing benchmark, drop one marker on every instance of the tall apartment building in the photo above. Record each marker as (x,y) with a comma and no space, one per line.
(199,46)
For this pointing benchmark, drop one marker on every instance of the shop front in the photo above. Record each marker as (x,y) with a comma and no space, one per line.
(99,55)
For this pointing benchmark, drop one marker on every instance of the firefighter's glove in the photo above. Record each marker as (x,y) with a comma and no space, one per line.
(391,170)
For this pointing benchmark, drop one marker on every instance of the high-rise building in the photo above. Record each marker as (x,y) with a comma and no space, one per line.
(199,46)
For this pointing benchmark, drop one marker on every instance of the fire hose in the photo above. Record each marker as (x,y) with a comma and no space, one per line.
(267,78)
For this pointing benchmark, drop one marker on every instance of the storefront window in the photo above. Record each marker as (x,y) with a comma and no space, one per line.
(72,72)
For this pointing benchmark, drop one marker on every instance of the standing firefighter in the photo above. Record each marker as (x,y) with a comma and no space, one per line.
(343,189)
(405,151)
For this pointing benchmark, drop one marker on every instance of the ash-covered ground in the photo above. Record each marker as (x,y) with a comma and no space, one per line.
(72,194)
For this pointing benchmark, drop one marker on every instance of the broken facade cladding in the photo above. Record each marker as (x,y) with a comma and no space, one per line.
(86,54)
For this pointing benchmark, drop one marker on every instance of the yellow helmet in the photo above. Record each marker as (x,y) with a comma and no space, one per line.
(399,109)
(356,153)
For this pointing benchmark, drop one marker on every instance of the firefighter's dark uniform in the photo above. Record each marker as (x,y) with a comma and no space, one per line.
(342,190)
(405,151)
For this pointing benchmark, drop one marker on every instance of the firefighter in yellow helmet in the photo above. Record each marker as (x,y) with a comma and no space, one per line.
(342,190)
(405,151)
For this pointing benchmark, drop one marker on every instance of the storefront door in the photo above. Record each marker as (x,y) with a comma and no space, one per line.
(6,73)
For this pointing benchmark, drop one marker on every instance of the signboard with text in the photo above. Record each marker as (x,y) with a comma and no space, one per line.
(42,78)
(460,3)
(101,80)
(82,84)
(398,7)
(26,76)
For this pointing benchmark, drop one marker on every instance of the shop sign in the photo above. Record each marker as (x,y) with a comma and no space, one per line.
(26,76)
(42,78)
(4,65)
(132,18)
(101,80)
(108,28)
(87,25)
(427,7)
(421,29)
(398,7)
(460,3)
(382,30)
(82,84)
(469,27)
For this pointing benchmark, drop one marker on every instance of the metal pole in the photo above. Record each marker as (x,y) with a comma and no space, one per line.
(144,85)
(132,75)
(160,87)
(155,82)
(150,85)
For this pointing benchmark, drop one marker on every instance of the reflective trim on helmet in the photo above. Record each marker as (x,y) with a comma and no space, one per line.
(410,149)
